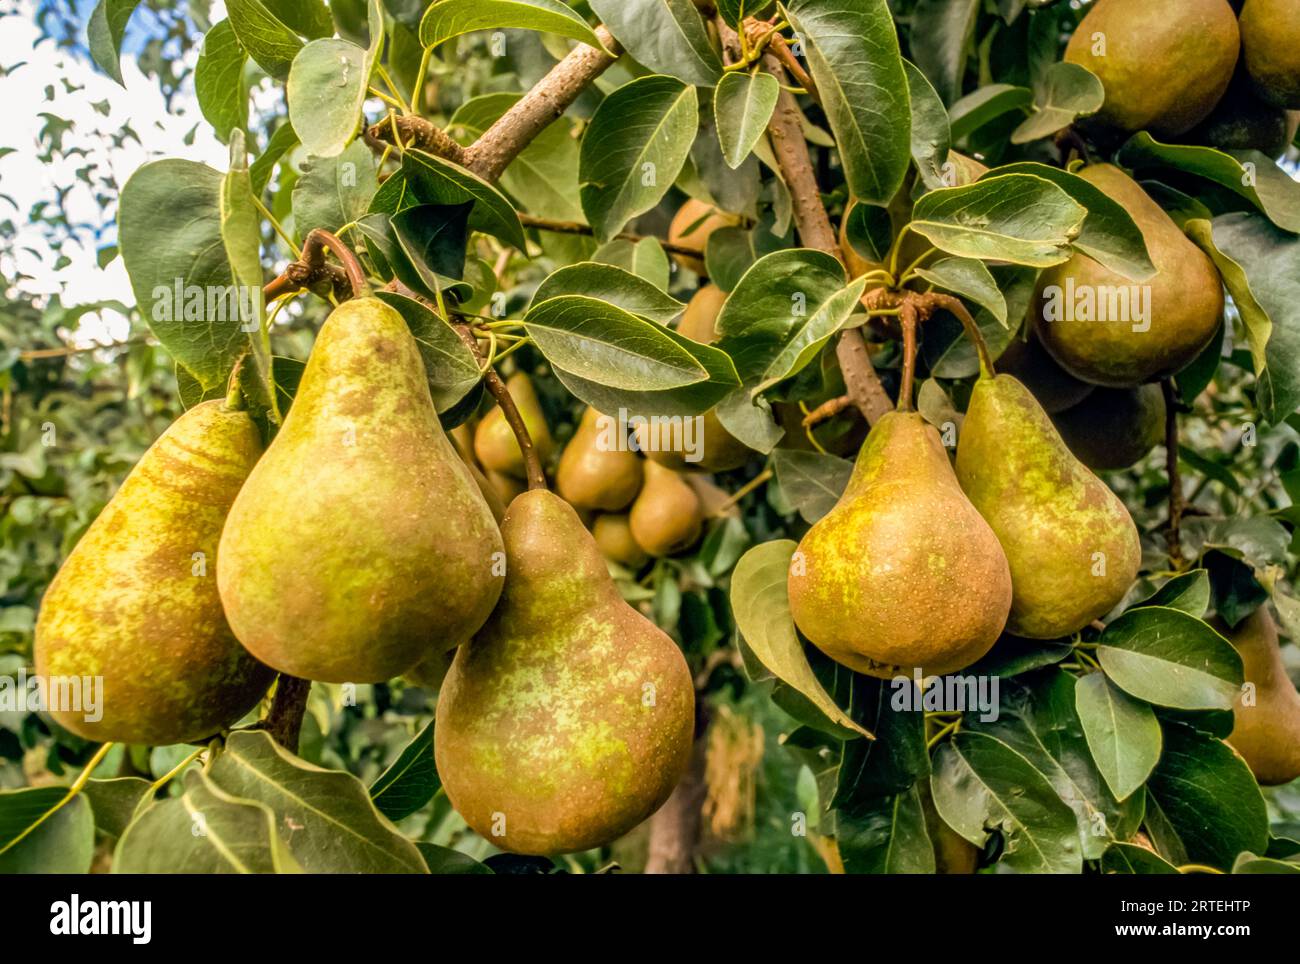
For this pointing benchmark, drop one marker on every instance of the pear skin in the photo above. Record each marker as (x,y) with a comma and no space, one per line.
(1071,544)
(1266,720)
(666,517)
(1164,64)
(691,226)
(1186,300)
(136,601)
(360,542)
(568,718)
(613,535)
(495,445)
(903,573)
(1114,428)
(1270,43)
(597,469)
(699,320)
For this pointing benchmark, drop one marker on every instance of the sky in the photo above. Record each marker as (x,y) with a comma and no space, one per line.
(27,180)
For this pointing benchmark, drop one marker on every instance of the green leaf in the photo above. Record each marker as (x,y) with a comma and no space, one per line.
(452,370)
(1127,858)
(931,134)
(645,258)
(811,482)
(310,18)
(114,802)
(219,81)
(980,785)
(970,280)
(947,26)
(411,781)
(667,36)
(1248,863)
(282,141)
(1169,658)
(633,149)
(63,843)
(890,838)
(852,51)
(169,228)
(1188,591)
(1203,805)
(612,284)
(441,860)
(897,758)
(334,191)
(104,33)
(436,180)
(1122,733)
(742,106)
(1013,217)
(451,18)
(268,41)
(987,104)
(761,605)
(326,90)
(336,828)
(1069,91)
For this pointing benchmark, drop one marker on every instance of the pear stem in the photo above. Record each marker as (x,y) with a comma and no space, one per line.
(235,401)
(313,255)
(955,306)
(284,721)
(1172,535)
(532,462)
(907,319)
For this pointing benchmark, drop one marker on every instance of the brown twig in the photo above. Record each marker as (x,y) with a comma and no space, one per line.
(284,722)
(313,255)
(956,307)
(532,461)
(311,269)
(1176,504)
(827,410)
(37,353)
(577,227)
(907,318)
(791,63)
(413,132)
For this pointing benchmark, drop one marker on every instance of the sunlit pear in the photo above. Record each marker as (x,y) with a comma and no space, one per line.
(597,468)
(666,517)
(495,445)
(1266,717)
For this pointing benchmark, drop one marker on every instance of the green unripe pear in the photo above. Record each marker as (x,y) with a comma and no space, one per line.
(568,718)
(136,601)
(1072,546)
(903,573)
(360,543)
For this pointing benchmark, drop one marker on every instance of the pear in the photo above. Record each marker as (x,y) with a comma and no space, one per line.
(699,320)
(953,853)
(1186,300)
(1071,544)
(1243,121)
(490,492)
(902,573)
(1054,387)
(613,535)
(1270,42)
(360,542)
(1114,428)
(666,516)
(136,603)
(691,226)
(1164,64)
(495,445)
(568,718)
(597,469)
(1266,721)
(505,486)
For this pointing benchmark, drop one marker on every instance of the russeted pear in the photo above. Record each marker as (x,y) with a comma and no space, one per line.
(666,516)
(1114,427)
(613,535)
(1265,731)
(1054,387)
(1270,42)
(691,226)
(1071,544)
(360,542)
(1185,303)
(597,469)
(495,445)
(1244,121)
(136,601)
(568,718)
(1164,64)
(902,573)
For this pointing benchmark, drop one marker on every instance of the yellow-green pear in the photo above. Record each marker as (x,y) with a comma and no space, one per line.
(1270,42)
(568,718)
(135,607)
(1071,544)
(691,226)
(597,469)
(613,535)
(1114,428)
(1266,717)
(495,445)
(903,573)
(360,543)
(666,516)
(1164,64)
(1150,329)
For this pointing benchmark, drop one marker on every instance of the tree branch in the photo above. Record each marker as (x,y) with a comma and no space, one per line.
(284,722)
(577,227)
(1176,504)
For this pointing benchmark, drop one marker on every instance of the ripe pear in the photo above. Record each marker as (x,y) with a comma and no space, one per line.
(902,573)
(1071,544)
(1114,428)
(1270,41)
(360,542)
(1266,721)
(597,469)
(136,601)
(613,535)
(1054,387)
(489,491)
(495,445)
(1186,300)
(505,486)
(691,226)
(568,718)
(1164,64)
(1243,121)
(666,517)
